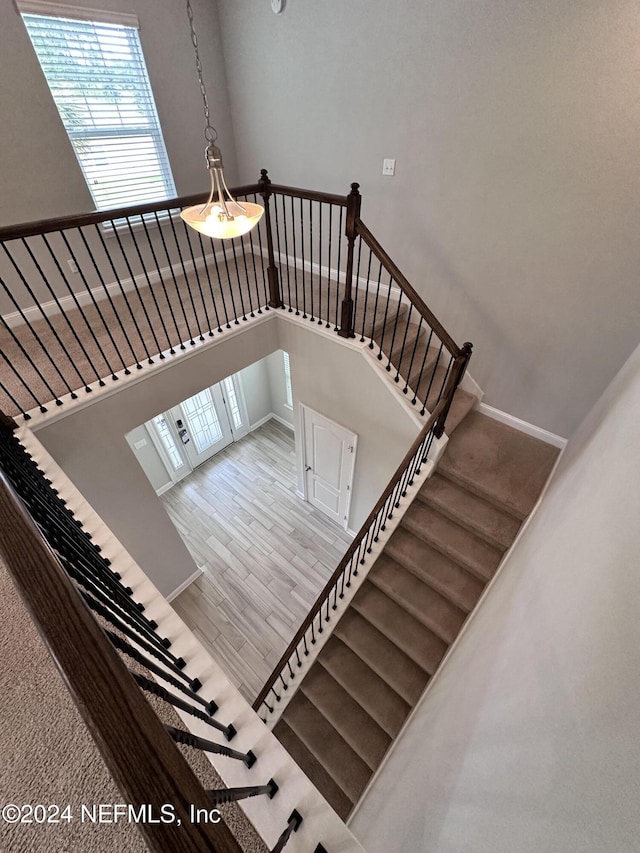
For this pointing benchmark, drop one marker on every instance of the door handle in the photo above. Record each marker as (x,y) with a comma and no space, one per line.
(308,468)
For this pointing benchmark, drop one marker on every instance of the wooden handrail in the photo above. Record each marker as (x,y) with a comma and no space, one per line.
(411,293)
(310,195)
(46,226)
(144,762)
(355,544)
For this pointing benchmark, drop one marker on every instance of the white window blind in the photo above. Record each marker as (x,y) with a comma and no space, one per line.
(99,82)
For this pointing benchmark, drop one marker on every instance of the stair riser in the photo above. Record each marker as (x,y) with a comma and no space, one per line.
(478,530)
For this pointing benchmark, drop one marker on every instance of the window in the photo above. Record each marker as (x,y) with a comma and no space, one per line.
(287,379)
(99,82)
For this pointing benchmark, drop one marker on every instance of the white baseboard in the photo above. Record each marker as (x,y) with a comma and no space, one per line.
(523,426)
(165,488)
(85,297)
(176,592)
(261,422)
(282,421)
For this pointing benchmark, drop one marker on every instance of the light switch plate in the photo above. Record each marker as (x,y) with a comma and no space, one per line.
(388,167)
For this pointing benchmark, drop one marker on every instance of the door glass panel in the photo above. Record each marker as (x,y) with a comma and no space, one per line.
(203,421)
(232,402)
(167,442)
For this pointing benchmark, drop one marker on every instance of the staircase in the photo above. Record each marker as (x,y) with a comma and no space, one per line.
(434,568)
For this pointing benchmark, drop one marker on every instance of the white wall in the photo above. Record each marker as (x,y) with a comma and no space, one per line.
(278,388)
(91,447)
(257,392)
(39,173)
(337,382)
(528,741)
(148,458)
(515,126)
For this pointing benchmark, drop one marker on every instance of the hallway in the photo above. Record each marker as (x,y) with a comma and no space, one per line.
(266,554)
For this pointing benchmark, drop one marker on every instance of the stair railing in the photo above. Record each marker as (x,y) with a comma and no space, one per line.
(326,604)
(86,300)
(63,580)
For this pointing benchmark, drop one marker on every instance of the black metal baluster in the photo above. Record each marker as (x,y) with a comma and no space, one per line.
(232,795)
(304,264)
(384,321)
(295,257)
(54,396)
(395,329)
(320,263)
(277,221)
(213,298)
(425,357)
(312,318)
(264,278)
(235,260)
(64,314)
(366,295)
(337,326)
(157,690)
(138,294)
(73,295)
(175,284)
(433,376)
(293,825)
(286,246)
(124,296)
(33,332)
(255,272)
(252,312)
(396,378)
(186,281)
(187,739)
(220,285)
(151,291)
(375,307)
(329,268)
(413,355)
(187,233)
(8,393)
(164,288)
(104,286)
(356,283)
(226,266)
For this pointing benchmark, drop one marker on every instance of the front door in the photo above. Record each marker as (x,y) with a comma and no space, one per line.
(329,460)
(202,425)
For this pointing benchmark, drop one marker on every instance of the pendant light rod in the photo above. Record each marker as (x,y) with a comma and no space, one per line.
(221,215)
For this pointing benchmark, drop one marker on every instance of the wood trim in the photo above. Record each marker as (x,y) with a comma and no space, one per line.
(409,291)
(46,226)
(310,195)
(144,762)
(362,533)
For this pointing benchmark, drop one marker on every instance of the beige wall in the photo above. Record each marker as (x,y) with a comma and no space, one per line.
(92,449)
(528,740)
(39,174)
(516,199)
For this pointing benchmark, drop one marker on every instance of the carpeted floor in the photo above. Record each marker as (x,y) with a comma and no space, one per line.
(47,755)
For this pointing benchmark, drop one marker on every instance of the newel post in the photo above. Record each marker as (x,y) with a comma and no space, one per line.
(7,423)
(275,296)
(455,378)
(354,202)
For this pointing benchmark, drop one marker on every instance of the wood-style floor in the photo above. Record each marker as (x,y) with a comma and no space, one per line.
(266,553)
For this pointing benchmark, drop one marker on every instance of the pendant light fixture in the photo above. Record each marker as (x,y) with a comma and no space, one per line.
(221,216)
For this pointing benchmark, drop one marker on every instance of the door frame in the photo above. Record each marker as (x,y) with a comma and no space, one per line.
(301,454)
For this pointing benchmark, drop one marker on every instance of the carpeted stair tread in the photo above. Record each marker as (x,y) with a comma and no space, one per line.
(407,633)
(469,510)
(431,566)
(382,656)
(435,611)
(452,540)
(498,463)
(347,717)
(342,763)
(378,699)
(312,768)
(405,344)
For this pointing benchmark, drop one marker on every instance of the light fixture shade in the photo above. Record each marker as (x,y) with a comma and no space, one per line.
(212,220)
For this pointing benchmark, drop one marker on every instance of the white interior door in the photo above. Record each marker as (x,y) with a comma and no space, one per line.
(202,425)
(329,461)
